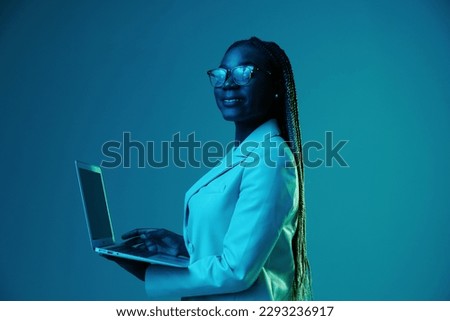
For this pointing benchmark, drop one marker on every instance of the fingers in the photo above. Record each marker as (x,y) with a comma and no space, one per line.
(133,241)
(151,247)
(156,234)
(130,234)
(155,241)
(142,242)
(136,233)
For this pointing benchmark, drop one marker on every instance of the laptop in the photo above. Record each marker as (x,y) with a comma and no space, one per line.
(99,224)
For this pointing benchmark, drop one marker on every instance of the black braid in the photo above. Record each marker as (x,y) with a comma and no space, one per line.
(288,121)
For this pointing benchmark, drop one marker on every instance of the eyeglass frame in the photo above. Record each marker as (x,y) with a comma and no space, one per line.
(229,73)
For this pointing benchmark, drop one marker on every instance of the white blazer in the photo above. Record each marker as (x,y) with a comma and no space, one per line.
(239,221)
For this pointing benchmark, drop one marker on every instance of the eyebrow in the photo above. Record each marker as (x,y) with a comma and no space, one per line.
(244,63)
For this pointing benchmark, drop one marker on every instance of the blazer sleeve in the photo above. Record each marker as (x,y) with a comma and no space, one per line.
(268,195)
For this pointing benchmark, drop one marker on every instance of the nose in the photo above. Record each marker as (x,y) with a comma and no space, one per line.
(229,83)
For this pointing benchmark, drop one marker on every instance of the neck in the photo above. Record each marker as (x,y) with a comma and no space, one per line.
(243,129)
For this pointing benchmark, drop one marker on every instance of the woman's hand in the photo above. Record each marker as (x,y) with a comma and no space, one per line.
(157,241)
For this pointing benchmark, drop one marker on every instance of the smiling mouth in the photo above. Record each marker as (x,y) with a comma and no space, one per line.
(233,101)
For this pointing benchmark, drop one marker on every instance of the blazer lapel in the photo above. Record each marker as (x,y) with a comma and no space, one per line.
(233,158)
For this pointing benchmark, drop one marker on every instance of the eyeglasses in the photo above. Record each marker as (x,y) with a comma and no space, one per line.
(241,75)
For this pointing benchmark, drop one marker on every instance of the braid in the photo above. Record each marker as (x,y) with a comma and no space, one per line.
(288,121)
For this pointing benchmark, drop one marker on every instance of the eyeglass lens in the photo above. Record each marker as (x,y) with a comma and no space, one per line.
(241,75)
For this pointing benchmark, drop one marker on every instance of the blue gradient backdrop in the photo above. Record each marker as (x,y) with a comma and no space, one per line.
(75,74)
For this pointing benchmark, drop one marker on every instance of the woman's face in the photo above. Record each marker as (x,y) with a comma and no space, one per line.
(251,103)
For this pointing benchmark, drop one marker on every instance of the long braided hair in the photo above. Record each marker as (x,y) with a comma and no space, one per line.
(287,117)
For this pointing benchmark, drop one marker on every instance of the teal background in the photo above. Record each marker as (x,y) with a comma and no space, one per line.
(75,74)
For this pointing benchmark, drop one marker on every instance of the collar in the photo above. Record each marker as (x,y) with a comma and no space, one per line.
(260,134)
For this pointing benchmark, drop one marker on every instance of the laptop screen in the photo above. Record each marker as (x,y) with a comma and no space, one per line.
(95,203)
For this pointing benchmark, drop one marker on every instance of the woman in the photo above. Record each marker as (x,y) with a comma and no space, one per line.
(244,224)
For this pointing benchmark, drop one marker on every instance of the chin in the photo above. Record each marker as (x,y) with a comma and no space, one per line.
(230,116)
